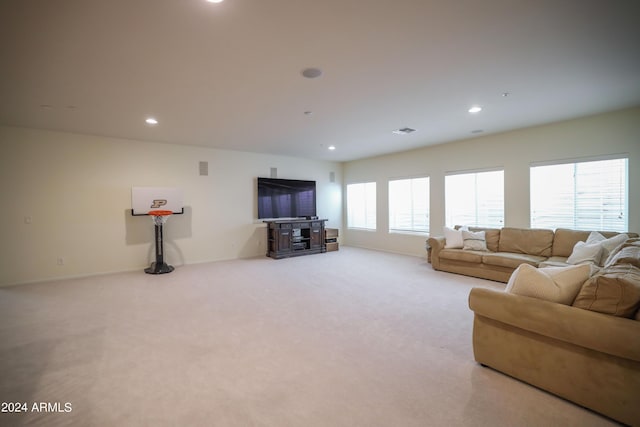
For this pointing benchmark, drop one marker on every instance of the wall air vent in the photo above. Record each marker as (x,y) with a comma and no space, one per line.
(403,131)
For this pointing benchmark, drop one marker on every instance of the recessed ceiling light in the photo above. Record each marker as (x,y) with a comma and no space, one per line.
(308,113)
(151,121)
(477,131)
(312,73)
(215,1)
(475,109)
(332,147)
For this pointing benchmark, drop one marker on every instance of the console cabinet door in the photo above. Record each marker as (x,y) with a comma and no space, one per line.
(283,237)
(316,238)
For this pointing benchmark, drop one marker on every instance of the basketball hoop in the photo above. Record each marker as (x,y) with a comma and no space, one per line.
(159,266)
(160,217)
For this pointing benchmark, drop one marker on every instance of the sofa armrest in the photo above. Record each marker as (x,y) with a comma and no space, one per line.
(436,244)
(608,334)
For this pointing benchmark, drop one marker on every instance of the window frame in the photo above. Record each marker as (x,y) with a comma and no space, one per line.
(366,207)
(476,223)
(412,213)
(624,181)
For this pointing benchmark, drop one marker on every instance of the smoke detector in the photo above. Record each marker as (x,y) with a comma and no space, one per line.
(403,131)
(312,73)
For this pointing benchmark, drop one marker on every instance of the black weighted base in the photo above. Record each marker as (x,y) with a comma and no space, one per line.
(159,268)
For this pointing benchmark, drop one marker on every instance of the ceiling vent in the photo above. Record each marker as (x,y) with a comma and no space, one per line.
(403,131)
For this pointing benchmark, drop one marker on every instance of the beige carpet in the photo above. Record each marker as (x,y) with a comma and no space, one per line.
(348,338)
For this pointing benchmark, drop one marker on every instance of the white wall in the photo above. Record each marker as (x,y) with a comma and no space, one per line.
(601,135)
(77,191)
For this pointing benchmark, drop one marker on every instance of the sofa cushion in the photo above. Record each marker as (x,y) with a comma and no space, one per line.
(607,244)
(615,290)
(510,260)
(491,235)
(461,255)
(453,238)
(564,239)
(526,241)
(474,241)
(554,261)
(555,284)
(627,253)
(585,253)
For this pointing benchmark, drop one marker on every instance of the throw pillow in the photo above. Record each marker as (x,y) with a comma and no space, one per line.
(453,237)
(608,245)
(615,290)
(626,255)
(474,241)
(585,253)
(555,284)
(633,242)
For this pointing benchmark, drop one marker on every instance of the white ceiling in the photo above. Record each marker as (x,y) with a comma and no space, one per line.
(228,75)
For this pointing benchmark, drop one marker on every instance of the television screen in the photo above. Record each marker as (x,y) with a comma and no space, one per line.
(286,198)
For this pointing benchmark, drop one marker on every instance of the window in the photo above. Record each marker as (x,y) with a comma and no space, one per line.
(409,205)
(475,199)
(590,195)
(361,205)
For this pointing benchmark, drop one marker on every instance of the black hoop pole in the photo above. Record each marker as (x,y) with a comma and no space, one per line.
(159,266)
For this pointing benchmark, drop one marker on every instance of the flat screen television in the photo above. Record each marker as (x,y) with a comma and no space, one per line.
(286,198)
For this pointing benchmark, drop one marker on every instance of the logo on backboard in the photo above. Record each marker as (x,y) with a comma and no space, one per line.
(158,203)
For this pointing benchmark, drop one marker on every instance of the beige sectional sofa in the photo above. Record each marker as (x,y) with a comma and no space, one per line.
(507,248)
(573,331)
(589,358)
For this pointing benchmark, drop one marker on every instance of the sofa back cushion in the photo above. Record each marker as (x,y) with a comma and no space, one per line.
(565,239)
(526,241)
(614,290)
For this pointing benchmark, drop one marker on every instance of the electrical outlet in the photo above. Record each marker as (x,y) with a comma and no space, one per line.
(60,260)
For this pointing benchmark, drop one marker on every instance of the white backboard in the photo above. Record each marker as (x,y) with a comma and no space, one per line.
(145,199)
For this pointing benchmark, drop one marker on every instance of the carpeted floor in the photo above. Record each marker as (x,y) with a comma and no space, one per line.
(348,338)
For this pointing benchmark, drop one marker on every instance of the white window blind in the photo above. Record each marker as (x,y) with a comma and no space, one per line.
(409,205)
(582,196)
(361,205)
(475,199)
